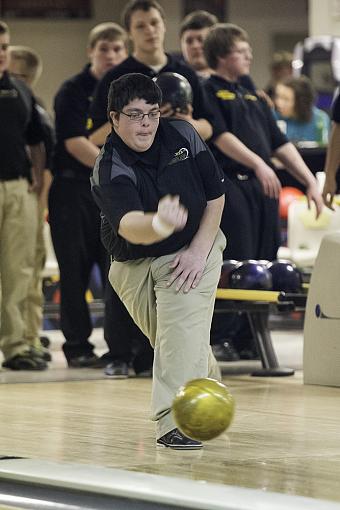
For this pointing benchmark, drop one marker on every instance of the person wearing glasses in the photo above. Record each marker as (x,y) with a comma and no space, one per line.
(73,215)
(248,139)
(161,194)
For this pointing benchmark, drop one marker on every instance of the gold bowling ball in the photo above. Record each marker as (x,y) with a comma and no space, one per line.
(203,409)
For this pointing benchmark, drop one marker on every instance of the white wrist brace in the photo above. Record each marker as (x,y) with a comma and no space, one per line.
(160,227)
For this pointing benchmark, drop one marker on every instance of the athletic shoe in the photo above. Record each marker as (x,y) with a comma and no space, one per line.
(117,370)
(83,361)
(178,441)
(25,361)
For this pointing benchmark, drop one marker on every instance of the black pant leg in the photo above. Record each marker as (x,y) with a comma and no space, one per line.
(241,224)
(67,212)
(125,340)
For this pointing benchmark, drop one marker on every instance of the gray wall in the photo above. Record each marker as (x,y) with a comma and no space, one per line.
(62,44)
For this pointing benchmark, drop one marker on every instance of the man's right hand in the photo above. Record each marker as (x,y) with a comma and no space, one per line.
(171,213)
(268,179)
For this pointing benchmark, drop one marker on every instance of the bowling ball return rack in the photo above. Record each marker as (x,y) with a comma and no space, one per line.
(257,304)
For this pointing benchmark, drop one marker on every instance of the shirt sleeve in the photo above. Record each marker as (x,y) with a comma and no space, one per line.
(34,132)
(211,174)
(277,138)
(219,121)
(116,199)
(336,110)
(71,107)
(98,108)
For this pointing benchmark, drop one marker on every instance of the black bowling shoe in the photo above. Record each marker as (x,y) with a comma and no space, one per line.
(178,441)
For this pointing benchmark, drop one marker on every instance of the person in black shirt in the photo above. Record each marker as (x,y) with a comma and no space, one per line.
(332,157)
(193,31)
(20,179)
(144,22)
(73,215)
(247,139)
(161,196)
(26,65)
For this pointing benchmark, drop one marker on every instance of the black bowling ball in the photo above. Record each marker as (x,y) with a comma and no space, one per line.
(176,90)
(227,267)
(286,276)
(250,275)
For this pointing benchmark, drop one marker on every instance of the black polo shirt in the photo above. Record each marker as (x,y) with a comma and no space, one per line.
(98,110)
(246,116)
(336,110)
(20,126)
(71,107)
(178,163)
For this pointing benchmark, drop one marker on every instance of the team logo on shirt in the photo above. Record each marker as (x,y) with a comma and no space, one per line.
(250,97)
(180,155)
(5,93)
(226,95)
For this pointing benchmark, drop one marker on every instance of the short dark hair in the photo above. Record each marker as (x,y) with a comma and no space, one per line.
(304,95)
(107,31)
(280,60)
(139,5)
(3,28)
(197,20)
(220,41)
(129,87)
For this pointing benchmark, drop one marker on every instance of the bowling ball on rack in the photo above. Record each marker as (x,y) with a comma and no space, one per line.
(176,90)
(227,267)
(285,276)
(250,275)
(287,195)
(203,409)
(263,262)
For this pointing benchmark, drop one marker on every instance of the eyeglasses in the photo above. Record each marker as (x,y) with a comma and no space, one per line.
(243,51)
(139,116)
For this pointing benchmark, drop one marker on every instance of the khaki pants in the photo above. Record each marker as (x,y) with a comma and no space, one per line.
(34,304)
(18,226)
(177,324)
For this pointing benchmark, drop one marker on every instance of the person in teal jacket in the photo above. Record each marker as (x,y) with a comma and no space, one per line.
(296,114)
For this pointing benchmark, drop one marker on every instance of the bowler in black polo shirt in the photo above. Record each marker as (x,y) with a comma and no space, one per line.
(161,195)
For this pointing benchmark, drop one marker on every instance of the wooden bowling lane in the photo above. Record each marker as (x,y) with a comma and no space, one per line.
(285,436)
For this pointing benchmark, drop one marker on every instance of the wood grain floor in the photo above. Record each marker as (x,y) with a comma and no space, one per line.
(285,436)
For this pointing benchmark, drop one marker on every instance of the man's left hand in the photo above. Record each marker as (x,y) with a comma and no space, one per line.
(313,193)
(188,267)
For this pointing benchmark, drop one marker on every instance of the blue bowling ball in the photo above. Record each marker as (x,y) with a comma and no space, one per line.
(250,275)
(286,276)
(227,267)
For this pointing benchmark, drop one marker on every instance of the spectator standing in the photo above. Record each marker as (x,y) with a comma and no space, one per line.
(73,215)
(20,179)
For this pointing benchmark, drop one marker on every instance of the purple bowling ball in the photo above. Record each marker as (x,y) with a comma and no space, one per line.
(227,267)
(250,275)
(286,276)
